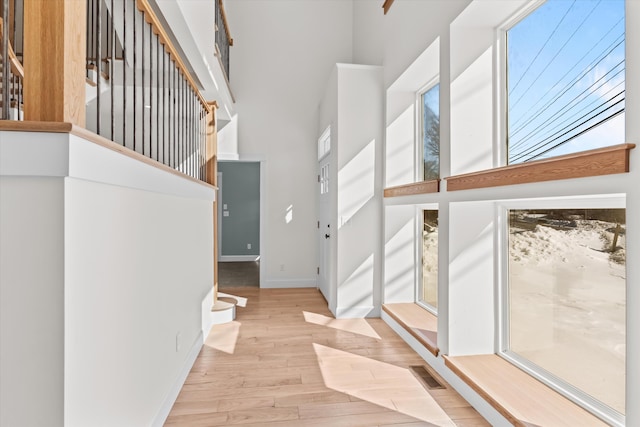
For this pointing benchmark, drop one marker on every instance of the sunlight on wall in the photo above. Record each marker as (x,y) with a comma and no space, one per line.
(356,290)
(356,326)
(399,280)
(288,216)
(379,383)
(471,117)
(223,337)
(400,149)
(356,181)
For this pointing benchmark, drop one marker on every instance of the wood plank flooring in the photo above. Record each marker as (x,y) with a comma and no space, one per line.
(286,362)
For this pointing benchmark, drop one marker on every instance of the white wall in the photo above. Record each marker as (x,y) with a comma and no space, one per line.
(107,266)
(282,57)
(411,26)
(368,39)
(359,188)
(31,300)
(138,265)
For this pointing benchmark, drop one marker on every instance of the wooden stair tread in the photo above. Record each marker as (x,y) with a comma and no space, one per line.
(222,305)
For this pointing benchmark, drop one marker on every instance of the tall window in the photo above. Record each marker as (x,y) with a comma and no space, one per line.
(566,79)
(428,285)
(430,132)
(566,302)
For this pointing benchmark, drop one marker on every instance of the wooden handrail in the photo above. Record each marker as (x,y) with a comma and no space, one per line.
(16,66)
(152,19)
(226,23)
(387,5)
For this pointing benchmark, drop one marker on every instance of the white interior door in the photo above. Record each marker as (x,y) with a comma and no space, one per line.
(324,228)
(324,215)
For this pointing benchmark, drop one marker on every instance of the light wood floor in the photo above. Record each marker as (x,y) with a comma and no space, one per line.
(286,362)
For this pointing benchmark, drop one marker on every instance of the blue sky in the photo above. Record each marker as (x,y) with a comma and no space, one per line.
(565,67)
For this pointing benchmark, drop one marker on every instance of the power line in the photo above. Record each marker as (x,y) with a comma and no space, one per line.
(556,55)
(549,123)
(567,87)
(578,134)
(524,115)
(543,144)
(544,45)
(588,90)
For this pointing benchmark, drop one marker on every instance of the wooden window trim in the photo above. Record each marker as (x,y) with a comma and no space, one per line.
(601,161)
(422,187)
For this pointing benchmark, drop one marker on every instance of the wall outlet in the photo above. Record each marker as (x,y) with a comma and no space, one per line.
(178,342)
(248,245)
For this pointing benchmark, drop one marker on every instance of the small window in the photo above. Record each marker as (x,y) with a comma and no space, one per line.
(429,135)
(428,283)
(565,302)
(324,143)
(566,79)
(324,179)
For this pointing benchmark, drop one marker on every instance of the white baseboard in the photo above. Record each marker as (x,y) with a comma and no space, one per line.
(437,363)
(357,312)
(238,258)
(288,283)
(172,395)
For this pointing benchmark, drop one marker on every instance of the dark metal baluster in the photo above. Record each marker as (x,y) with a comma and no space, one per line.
(112,36)
(174,120)
(164,105)
(124,73)
(98,56)
(181,119)
(151,92)
(144,86)
(5,62)
(158,98)
(189,136)
(135,72)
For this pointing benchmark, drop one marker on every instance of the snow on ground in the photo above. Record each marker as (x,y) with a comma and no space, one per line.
(430,266)
(567,299)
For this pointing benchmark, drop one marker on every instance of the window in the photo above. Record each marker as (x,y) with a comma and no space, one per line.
(429,132)
(564,302)
(428,282)
(324,143)
(324,178)
(566,79)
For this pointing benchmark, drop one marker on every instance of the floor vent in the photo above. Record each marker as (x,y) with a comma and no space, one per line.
(425,377)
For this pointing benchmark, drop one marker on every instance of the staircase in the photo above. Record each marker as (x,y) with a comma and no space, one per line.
(224,310)
(15,78)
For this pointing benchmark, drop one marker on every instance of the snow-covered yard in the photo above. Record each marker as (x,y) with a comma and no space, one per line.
(567,304)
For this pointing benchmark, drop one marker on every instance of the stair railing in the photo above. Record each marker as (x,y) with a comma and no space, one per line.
(141,94)
(223,38)
(11,69)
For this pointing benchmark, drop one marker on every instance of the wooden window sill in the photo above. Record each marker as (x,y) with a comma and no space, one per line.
(601,161)
(519,397)
(417,321)
(422,187)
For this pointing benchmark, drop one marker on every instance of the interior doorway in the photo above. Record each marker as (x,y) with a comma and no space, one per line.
(239,215)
